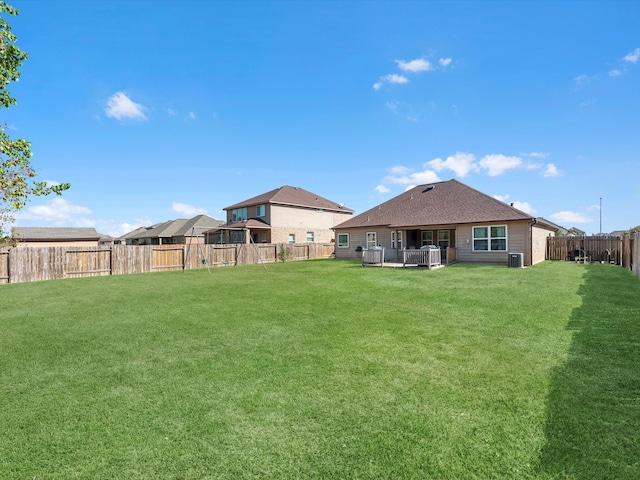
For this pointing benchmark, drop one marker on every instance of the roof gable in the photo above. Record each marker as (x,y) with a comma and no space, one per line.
(442,203)
(292,196)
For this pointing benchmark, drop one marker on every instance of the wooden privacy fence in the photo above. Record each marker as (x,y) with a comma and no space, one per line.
(30,264)
(623,250)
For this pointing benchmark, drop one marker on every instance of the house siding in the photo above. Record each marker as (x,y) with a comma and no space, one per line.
(59,243)
(517,241)
(539,243)
(287,220)
(462,240)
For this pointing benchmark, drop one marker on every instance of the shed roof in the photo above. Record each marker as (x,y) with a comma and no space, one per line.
(55,233)
(441,203)
(292,196)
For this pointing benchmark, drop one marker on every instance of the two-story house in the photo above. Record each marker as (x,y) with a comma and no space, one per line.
(284,215)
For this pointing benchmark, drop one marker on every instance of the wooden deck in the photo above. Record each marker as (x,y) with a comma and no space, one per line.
(428,258)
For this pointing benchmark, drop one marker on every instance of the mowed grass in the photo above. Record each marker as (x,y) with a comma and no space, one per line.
(324,369)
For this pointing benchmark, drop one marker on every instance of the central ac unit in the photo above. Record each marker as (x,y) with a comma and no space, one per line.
(516,260)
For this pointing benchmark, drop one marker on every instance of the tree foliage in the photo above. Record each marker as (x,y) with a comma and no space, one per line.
(17,175)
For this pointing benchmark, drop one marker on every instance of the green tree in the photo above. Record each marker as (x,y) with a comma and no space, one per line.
(17,175)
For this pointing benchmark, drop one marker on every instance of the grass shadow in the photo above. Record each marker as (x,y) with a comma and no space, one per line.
(593,407)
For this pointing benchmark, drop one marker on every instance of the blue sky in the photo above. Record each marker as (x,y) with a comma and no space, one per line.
(155,110)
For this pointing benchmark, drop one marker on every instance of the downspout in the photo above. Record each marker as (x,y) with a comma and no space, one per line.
(530,253)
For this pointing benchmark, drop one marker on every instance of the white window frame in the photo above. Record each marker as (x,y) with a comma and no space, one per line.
(261,210)
(310,237)
(343,244)
(399,239)
(372,239)
(393,239)
(489,238)
(292,238)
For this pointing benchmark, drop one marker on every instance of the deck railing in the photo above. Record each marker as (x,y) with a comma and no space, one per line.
(429,257)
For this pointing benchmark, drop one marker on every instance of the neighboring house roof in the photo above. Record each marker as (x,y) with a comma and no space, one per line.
(576,231)
(252,223)
(292,196)
(442,203)
(43,234)
(180,227)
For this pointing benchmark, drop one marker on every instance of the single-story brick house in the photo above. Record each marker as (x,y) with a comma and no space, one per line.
(466,224)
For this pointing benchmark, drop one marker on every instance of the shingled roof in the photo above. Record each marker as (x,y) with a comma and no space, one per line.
(292,196)
(55,233)
(180,227)
(441,203)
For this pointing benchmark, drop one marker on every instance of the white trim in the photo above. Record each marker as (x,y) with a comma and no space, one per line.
(488,239)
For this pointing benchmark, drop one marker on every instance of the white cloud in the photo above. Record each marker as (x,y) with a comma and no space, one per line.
(568,217)
(405,176)
(632,57)
(120,106)
(118,230)
(461,164)
(391,78)
(581,80)
(192,116)
(186,209)
(524,206)
(615,73)
(537,155)
(498,163)
(57,210)
(399,170)
(382,189)
(551,171)
(445,62)
(417,65)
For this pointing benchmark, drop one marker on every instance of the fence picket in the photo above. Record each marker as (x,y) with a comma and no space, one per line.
(29,264)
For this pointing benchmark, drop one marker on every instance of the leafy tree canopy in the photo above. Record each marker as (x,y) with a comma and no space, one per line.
(17,175)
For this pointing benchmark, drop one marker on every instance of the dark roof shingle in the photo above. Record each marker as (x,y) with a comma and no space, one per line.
(55,233)
(293,196)
(441,203)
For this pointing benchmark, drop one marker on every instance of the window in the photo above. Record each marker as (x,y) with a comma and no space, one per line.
(237,237)
(343,240)
(372,239)
(393,239)
(427,238)
(309,236)
(490,239)
(399,240)
(260,211)
(263,238)
(443,238)
(239,214)
(292,238)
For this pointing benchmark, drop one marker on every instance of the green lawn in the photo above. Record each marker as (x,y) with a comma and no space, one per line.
(324,369)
